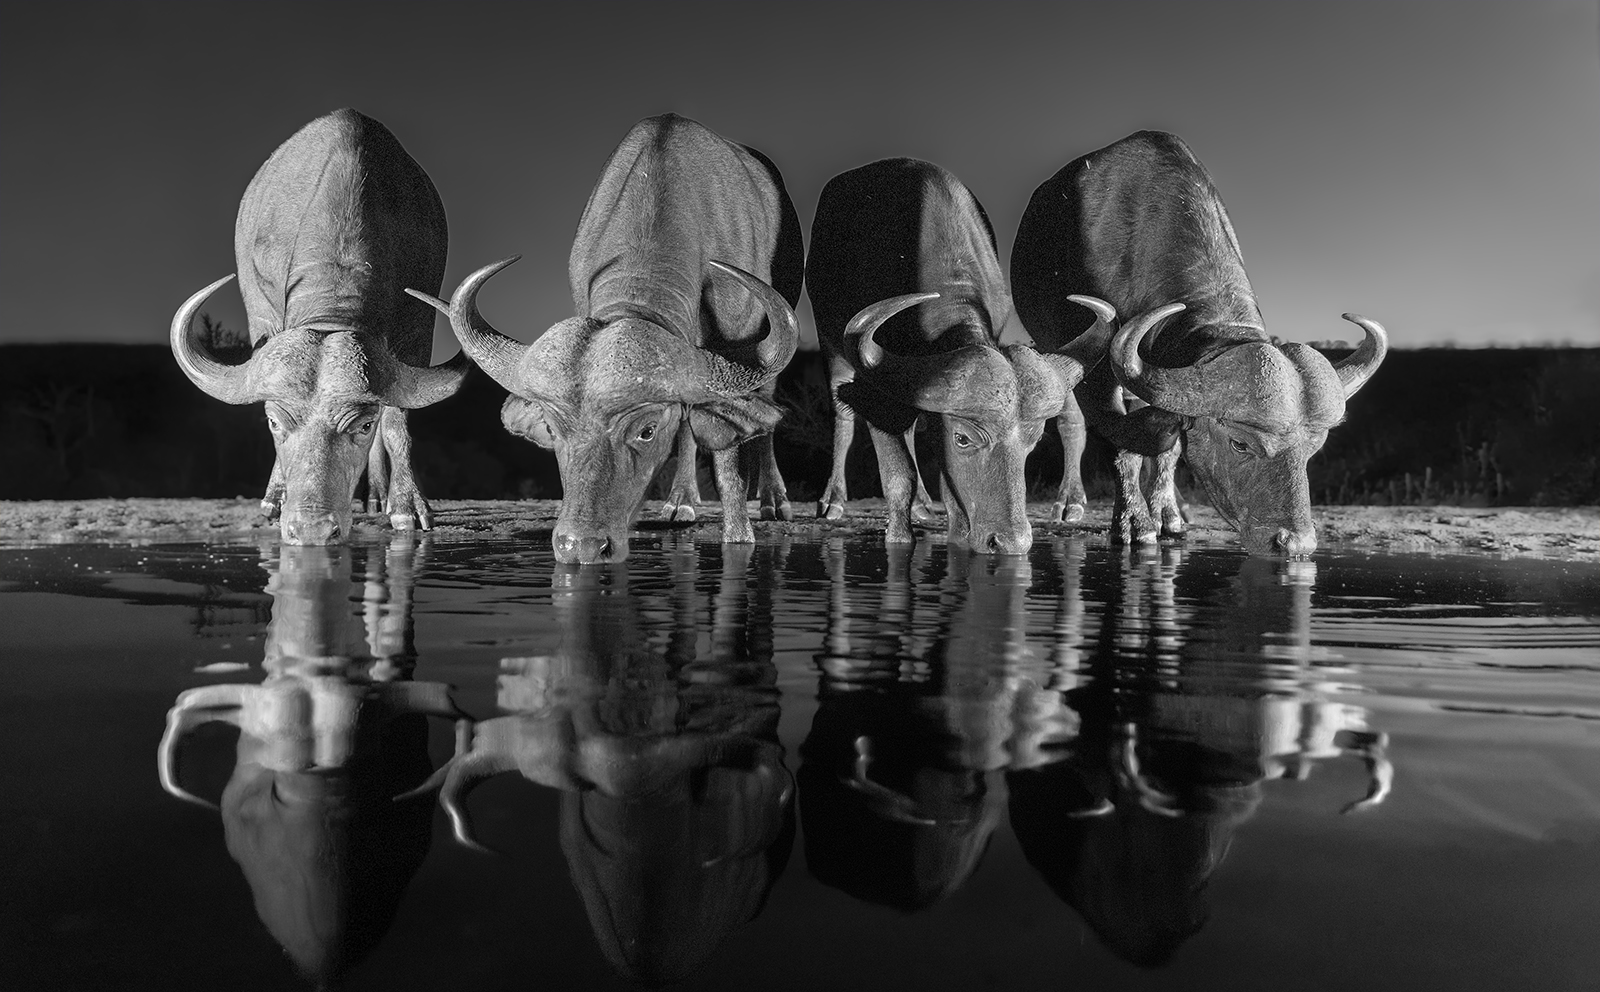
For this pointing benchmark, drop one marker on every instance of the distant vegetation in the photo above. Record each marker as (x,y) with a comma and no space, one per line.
(1476,427)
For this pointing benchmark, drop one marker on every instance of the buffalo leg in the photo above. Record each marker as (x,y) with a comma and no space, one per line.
(1071,501)
(897,470)
(377,475)
(684,495)
(272,499)
(1131,522)
(736,527)
(770,490)
(922,509)
(831,505)
(405,505)
(1164,506)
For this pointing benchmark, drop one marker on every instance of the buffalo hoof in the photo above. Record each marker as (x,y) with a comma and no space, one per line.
(923,513)
(679,513)
(781,510)
(1069,513)
(1131,528)
(1171,517)
(409,511)
(830,511)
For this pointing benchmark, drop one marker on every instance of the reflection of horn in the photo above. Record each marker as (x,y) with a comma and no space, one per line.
(1106,806)
(886,802)
(1373,749)
(1358,368)
(193,708)
(463,775)
(1150,797)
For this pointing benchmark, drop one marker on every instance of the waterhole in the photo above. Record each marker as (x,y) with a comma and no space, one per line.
(797,765)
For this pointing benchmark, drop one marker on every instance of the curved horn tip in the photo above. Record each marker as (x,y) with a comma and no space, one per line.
(775,350)
(1102,309)
(732,270)
(875,316)
(432,301)
(186,313)
(1125,346)
(472,283)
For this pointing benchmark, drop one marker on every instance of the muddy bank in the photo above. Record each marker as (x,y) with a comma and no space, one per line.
(1540,532)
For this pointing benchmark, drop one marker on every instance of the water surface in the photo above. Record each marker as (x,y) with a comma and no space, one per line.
(800,765)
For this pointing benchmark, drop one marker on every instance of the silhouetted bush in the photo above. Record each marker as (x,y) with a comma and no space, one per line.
(1489,427)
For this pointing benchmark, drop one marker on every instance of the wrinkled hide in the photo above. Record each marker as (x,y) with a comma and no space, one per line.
(909,298)
(332,229)
(1140,224)
(684,273)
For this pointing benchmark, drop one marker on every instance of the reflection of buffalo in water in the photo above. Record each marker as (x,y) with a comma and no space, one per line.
(1175,744)
(326,742)
(901,780)
(676,817)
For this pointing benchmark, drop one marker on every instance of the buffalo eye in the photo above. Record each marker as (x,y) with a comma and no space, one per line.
(1238,445)
(962,441)
(648,432)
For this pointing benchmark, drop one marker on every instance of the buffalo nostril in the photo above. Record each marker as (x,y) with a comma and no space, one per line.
(603,553)
(994,542)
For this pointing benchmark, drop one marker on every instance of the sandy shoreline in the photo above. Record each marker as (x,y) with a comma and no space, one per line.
(1547,532)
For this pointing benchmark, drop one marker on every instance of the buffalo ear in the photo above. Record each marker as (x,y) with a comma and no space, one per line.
(525,418)
(722,423)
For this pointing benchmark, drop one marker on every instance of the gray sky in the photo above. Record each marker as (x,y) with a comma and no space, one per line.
(1435,166)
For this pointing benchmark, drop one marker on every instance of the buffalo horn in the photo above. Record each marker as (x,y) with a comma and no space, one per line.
(194,707)
(873,317)
(1073,360)
(495,353)
(1358,368)
(228,383)
(412,387)
(783,336)
(1180,390)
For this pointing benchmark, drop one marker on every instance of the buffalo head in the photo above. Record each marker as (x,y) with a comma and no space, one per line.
(325,392)
(992,403)
(1252,414)
(608,397)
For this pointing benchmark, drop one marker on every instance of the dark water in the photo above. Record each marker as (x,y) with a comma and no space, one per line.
(797,766)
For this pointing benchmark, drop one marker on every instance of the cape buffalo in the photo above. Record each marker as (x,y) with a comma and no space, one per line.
(330,231)
(886,237)
(1140,224)
(688,246)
